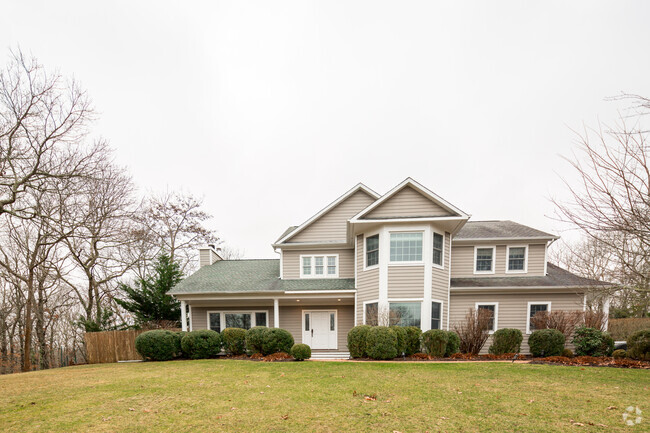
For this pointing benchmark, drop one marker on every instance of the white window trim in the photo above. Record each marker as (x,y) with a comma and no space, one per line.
(525,270)
(222,317)
(365,264)
(409,301)
(494,259)
(442,311)
(435,265)
(313,266)
(374,301)
(496,313)
(411,262)
(548,309)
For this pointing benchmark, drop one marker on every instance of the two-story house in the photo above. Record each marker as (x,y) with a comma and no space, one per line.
(407,257)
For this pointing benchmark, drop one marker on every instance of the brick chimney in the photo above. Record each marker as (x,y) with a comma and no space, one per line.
(208,255)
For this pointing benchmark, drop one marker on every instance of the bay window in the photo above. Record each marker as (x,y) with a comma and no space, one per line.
(404,313)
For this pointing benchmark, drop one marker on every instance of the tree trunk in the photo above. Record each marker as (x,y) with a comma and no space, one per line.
(27,344)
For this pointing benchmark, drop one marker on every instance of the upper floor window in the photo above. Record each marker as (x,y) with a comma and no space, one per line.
(372,250)
(406,247)
(484,260)
(319,266)
(438,242)
(516,259)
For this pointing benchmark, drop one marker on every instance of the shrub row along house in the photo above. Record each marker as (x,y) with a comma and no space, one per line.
(406,258)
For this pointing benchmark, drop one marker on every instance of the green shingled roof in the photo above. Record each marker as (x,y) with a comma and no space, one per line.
(241,276)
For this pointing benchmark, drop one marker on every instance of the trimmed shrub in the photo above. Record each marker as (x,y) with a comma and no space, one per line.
(254,339)
(234,341)
(357,341)
(413,343)
(400,333)
(276,340)
(381,343)
(592,342)
(546,342)
(619,354)
(201,344)
(300,352)
(638,345)
(506,340)
(179,347)
(435,342)
(453,344)
(157,345)
(567,353)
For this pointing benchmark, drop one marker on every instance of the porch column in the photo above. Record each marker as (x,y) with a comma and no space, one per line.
(276,313)
(183,317)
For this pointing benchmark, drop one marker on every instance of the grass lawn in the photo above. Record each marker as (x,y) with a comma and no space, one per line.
(242,396)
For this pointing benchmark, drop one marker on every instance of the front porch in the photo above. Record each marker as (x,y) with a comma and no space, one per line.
(320,320)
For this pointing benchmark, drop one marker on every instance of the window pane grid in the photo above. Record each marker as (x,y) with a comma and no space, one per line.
(534,309)
(484,259)
(306,265)
(372,250)
(437,249)
(406,247)
(492,309)
(331,265)
(516,259)
(318,268)
(436,315)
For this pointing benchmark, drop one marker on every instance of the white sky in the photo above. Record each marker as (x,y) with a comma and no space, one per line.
(272,109)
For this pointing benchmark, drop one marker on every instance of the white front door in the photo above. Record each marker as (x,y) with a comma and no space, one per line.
(319,329)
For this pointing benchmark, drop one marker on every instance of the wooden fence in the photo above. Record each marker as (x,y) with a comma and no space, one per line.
(112,346)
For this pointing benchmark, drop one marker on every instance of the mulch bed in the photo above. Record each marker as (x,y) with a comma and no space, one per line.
(275,357)
(591,361)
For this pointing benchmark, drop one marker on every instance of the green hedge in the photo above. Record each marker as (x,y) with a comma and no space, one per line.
(435,342)
(300,352)
(413,342)
(234,341)
(158,345)
(357,341)
(506,340)
(546,342)
(201,344)
(254,339)
(638,345)
(453,344)
(276,340)
(400,333)
(619,354)
(592,342)
(381,343)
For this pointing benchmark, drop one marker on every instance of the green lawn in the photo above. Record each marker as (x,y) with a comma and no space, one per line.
(242,396)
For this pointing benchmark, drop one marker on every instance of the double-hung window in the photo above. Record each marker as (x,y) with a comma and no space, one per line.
(436,315)
(516,259)
(493,309)
(438,242)
(372,250)
(484,260)
(319,266)
(534,308)
(404,313)
(406,247)
(220,320)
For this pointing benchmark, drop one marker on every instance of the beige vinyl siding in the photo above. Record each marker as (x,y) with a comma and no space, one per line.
(440,281)
(405,282)
(200,314)
(291,320)
(462,260)
(512,309)
(367,282)
(291,261)
(407,203)
(333,225)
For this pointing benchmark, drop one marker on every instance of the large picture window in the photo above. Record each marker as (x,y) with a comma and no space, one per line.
(406,247)
(319,266)
(405,313)
(220,320)
(372,250)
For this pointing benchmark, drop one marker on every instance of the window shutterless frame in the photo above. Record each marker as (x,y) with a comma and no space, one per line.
(530,304)
(438,250)
(321,263)
(371,251)
(525,260)
(222,317)
(496,313)
(365,306)
(400,246)
(476,258)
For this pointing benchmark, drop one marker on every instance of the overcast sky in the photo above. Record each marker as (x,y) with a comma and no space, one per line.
(272,109)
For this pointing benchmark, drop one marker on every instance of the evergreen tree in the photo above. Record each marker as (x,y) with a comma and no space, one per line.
(149,300)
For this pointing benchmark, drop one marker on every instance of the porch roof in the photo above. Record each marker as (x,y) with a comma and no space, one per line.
(241,276)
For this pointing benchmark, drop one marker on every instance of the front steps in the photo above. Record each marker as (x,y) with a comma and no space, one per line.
(330,355)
